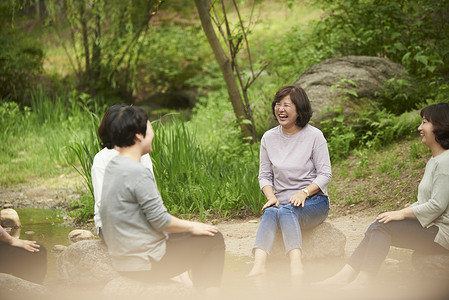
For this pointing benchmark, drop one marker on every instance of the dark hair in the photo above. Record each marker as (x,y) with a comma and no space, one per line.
(105,125)
(299,98)
(438,115)
(122,125)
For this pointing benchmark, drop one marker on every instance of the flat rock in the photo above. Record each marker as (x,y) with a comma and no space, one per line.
(13,288)
(323,241)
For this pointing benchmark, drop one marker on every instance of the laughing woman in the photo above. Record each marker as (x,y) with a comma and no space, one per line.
(294,173)
(423,226)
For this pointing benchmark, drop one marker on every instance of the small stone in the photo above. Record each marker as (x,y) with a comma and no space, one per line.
(253,221)
(80,235)
(57,249)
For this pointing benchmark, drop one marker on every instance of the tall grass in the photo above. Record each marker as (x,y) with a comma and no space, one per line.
(193,180)
(36,140)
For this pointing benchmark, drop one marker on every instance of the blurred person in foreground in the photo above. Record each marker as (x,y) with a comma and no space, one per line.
(22,258)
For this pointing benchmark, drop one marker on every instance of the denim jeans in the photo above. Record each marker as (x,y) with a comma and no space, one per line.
(407,233)
(291,220)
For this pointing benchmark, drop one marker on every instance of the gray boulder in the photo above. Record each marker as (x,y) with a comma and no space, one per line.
(125,288)
(16,288)
(368,72)
(85,262)
(432,266)
(324,241)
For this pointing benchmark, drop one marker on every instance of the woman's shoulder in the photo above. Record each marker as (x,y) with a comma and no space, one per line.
(104,155)
(313,131)
(272,132)
(442,162)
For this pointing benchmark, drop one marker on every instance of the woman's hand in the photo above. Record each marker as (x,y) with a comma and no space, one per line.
(388,216)
(31,246)
(271,201)
(198,228)
(298,199)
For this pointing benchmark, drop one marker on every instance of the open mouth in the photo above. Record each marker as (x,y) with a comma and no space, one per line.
(283,117)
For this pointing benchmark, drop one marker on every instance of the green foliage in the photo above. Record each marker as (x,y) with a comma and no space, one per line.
(106,40)
(36,140)
(21,63)
(193,180)
(173,58)
(410,32)
(369,129)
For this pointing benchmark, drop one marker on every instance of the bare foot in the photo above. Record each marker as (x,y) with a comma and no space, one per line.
(256,271)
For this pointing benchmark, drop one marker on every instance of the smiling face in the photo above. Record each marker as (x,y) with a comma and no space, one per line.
(285,112)
(426,132)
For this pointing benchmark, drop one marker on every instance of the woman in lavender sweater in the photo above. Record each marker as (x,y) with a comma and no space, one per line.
(294,173)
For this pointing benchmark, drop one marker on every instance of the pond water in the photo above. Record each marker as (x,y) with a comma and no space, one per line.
(45,226)
(397,277)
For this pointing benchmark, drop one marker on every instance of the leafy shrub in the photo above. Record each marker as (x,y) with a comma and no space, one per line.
(21,64)
(369,129)
(410,32)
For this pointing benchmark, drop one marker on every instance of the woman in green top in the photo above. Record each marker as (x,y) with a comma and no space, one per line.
(423,226)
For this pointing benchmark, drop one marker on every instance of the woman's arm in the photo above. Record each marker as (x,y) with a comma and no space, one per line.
(31,246)
(196,228)
(397,215)
(268,191)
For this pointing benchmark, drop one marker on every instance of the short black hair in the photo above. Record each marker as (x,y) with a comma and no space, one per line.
(105,125)
(125,124)
(438,115)
(299,98)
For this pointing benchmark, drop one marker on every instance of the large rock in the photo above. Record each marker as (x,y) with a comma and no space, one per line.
(368,72)
(323,241)
(432,266)
(85,262)
(12,288)
(123,288)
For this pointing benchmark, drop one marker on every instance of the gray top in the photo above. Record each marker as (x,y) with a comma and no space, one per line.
(432,207)
(133,215)
(290,163)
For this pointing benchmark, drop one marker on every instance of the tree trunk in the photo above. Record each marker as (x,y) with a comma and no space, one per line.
(248,131)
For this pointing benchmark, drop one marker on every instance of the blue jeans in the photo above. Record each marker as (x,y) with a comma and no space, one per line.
(291,221)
